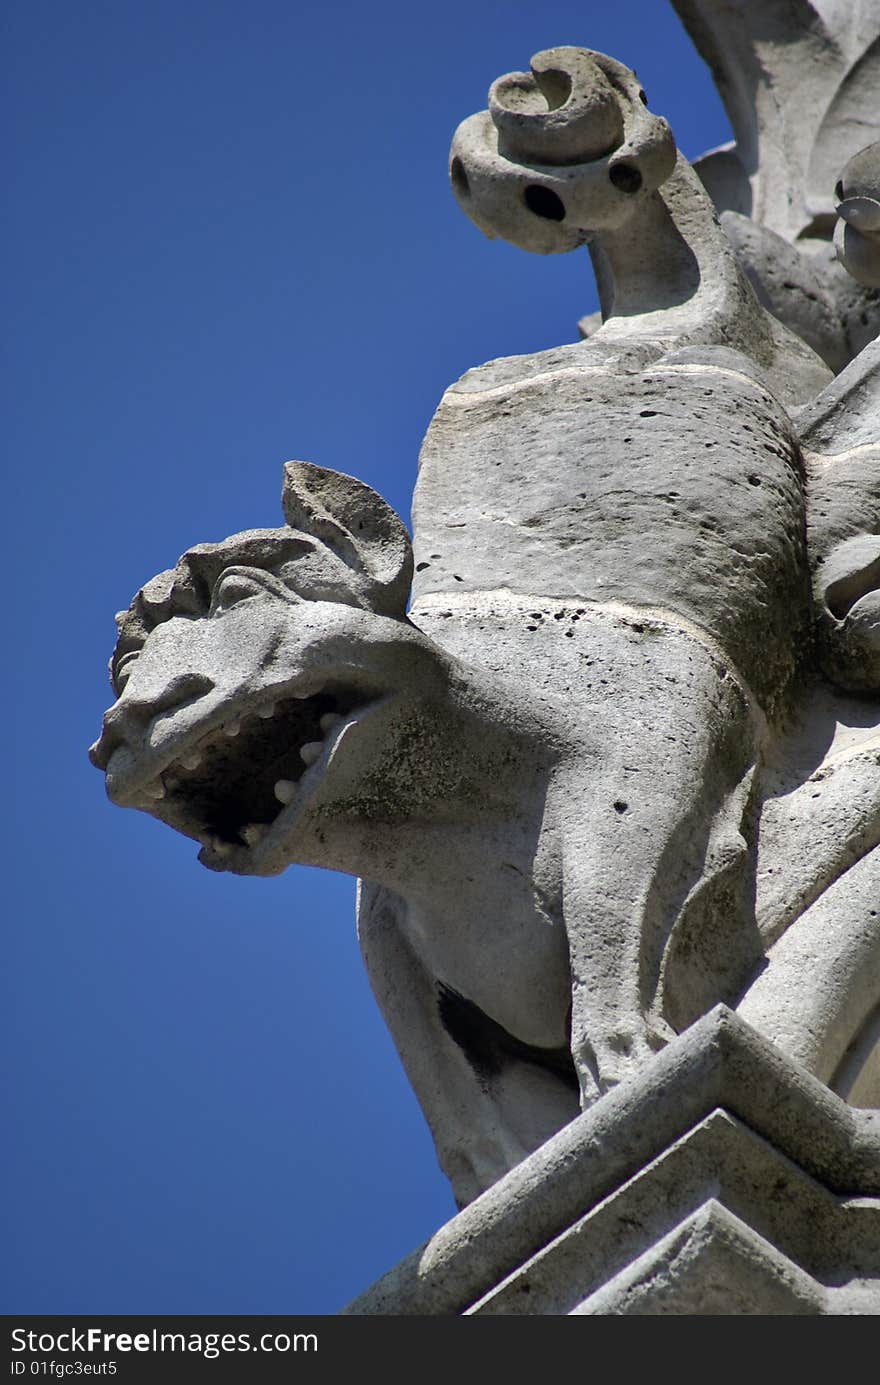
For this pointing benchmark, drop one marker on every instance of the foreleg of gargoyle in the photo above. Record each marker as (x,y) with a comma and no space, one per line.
(657,871)
(612,1032)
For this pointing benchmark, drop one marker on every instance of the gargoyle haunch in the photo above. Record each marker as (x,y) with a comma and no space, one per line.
(620,760)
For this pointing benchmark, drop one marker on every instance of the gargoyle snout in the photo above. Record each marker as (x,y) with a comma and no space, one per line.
(127,721)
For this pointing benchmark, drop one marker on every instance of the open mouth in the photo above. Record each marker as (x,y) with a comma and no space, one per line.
(228,788)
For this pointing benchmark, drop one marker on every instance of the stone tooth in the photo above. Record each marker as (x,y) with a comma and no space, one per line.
(285,790)
(156,790)
(232,728)
(267,713)
(220,847)
(329,720)
(252,833)
(311,751)
(192,760)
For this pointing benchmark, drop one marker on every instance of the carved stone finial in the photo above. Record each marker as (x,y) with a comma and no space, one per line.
(564,111)
(569,155)
(561,152)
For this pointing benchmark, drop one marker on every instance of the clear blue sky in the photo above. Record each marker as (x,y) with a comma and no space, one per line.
(230,242)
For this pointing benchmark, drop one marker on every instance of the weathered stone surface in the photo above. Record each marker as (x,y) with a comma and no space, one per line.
(519,489)
(723,1179)
(857,233)
(716,1265)
(793,287)
(799,80)
(637,191)
(841,445)
(620,760)
(834,951)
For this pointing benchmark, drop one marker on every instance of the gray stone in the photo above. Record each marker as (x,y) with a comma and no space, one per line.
(799,79)
(637,191)
(791,286)
(723,1179)
(841,449)
(857,233)
(619,761)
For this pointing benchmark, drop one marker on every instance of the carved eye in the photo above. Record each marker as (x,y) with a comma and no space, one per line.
(232,586)
(545,203)
(123,669)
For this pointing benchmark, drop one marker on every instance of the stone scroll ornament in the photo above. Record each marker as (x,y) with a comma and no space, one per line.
(620,758)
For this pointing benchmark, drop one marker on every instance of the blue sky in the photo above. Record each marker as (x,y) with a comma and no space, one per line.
(230,242)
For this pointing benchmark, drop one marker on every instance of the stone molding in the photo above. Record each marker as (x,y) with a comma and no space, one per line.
(724,1179)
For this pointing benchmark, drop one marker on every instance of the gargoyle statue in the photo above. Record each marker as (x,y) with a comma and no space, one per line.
(566,776)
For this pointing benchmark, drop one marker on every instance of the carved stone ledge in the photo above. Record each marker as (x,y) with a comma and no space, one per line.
(722,1180)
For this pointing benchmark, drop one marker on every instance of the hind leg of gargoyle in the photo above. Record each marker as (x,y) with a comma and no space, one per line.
(484,1122)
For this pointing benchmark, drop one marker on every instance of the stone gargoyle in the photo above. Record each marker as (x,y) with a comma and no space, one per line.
(617,758)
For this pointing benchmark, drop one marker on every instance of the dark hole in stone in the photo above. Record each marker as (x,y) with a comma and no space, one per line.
(489,1048)
(625,177)
(544,202)
(643,98)
(620,806)
(838,190)
(754,480)
(457,578)
(459,178)
(648,413)
(420,567)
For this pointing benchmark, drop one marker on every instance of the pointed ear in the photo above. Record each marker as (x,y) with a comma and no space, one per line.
(354,523)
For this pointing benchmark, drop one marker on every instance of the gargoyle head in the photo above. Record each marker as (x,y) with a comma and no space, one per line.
(246,676)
